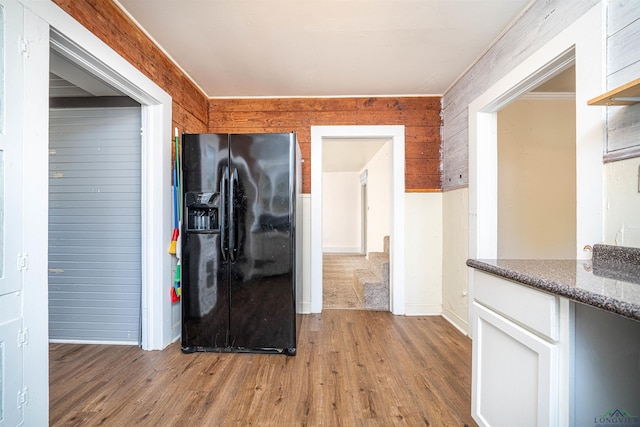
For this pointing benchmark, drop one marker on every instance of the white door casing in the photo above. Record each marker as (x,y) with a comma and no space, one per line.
(77,44)
(396,250)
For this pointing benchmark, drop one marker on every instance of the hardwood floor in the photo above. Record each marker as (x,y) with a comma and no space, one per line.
(352,368)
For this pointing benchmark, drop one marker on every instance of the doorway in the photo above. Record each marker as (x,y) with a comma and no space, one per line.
(536,137)
(78,46)
(355,227)
(94,224)
(95,276)
(155,263)
(395,134)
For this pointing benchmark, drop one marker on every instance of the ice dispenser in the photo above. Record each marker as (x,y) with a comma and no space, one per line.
(202,211)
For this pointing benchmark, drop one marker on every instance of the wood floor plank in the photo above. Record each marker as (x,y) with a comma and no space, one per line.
(352,368)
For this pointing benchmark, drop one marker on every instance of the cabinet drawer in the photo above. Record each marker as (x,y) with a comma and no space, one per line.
(532,309)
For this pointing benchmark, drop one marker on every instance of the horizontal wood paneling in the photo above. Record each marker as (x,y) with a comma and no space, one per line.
(95,277)
(621,13)
(623,127)
(104,19)
(623,47)
(419,115)
(457,153)
(623,66)
(284,104)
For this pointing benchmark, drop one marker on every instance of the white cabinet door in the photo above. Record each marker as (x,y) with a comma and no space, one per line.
(514,374)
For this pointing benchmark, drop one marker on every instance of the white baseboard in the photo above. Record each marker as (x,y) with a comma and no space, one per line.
(331,250)
(304,307)
(459,323)
(58,341)
(422,309)
(176,319)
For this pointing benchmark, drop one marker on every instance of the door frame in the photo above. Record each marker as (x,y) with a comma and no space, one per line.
(364,179)
(397,241)
(577,44)
(76,42)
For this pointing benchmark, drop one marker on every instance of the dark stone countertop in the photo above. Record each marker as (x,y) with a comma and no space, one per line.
(609,281)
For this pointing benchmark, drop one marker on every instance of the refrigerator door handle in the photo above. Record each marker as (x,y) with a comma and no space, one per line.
(233,250)
(223,213)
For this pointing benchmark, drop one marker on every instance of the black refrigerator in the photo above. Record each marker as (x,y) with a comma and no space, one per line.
(240,246)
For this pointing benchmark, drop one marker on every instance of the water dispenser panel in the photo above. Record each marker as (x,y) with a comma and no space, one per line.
(202,211)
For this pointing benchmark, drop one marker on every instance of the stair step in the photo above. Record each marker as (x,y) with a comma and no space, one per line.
(364,277)
(379,262)
(374,292)
(385,244)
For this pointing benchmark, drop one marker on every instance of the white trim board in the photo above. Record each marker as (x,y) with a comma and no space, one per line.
(396,252)
(77,43)
(340,250)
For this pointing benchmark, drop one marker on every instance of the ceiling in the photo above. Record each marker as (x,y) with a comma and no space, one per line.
(307,48)
(348,155)
(68,79)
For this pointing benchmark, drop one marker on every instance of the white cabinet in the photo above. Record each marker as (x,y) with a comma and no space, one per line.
(513,382)
(520,354)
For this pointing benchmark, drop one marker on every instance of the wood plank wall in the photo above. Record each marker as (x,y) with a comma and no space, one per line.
(541,22)
(623,66)
(104,19)
(419,115)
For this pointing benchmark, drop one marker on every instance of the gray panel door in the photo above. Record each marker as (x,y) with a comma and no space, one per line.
(95,225)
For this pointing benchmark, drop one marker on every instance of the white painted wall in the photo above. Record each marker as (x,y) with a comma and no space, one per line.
(536,180)
(455,244)
(304,298)
(622,203)
(341,212)
(423,254)
(378,198)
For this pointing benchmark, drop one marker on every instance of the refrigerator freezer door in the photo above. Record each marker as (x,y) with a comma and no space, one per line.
(262,300)
(205,287)
(205,294)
